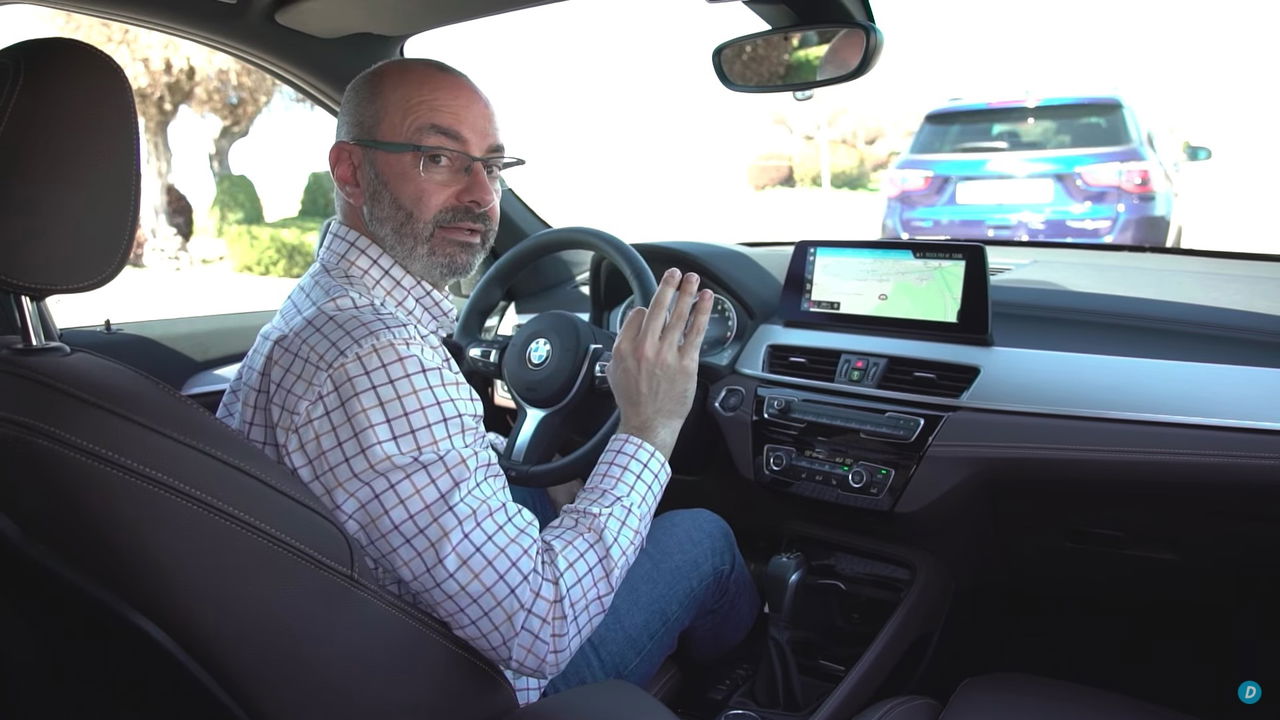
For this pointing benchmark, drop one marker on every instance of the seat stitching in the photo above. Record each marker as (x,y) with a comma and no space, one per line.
(960,689)
(173,435)
(341,579)
(90,446)
(910,702)
(883,712)
(892,706)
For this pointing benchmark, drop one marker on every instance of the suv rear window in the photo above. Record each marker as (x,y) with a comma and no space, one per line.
(1049,127)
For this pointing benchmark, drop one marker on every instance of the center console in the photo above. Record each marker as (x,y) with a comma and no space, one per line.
(840,427)
(843,450)
(841,613)
(847,451)
(837,628)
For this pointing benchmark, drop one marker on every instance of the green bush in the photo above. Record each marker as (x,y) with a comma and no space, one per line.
(803,66)
(849,169)
(317,197)
(282,249)
(236,202)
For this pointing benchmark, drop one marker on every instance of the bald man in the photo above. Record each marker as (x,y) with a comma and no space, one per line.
(843,54)
(352,387)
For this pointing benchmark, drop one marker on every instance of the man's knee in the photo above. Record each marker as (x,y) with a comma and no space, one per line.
(699,533)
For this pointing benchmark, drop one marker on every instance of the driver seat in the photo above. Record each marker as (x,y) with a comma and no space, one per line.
(137,501)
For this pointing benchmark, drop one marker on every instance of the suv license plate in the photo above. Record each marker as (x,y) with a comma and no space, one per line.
(1015,191)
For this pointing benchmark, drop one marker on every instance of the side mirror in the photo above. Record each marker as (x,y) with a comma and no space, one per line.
(798,58)
(1196,153)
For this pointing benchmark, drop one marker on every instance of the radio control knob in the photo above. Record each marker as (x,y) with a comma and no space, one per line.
(857,477)
(777,460)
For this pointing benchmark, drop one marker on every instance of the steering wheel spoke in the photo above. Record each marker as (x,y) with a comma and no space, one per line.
(536,437)
(485,356)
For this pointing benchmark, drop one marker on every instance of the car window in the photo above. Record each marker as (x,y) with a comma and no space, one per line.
(235,177)
(1022,128)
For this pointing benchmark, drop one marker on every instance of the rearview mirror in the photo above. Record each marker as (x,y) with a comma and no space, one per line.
(798,58)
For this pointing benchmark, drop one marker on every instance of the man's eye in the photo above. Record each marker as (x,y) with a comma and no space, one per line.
(492,169)
(435,159)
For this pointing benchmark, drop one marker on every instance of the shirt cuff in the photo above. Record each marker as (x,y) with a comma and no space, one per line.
(637,450)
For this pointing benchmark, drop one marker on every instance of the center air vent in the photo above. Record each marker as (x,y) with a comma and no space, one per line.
(803,363)
(923,377)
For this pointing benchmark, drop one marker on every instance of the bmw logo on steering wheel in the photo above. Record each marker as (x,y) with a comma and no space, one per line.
(538,354)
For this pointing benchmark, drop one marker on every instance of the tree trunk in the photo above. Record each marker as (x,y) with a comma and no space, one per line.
(220,158)
(151,206)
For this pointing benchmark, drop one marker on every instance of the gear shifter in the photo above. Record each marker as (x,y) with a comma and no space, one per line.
(778,684)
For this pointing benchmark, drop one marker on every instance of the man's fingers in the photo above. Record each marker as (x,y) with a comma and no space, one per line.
(656,318)
(698,320)
(632,324)
(675,329)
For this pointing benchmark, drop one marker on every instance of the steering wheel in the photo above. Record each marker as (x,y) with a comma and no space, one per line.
(553,361)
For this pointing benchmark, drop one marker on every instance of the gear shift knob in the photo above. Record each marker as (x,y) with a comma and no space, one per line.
(782,579)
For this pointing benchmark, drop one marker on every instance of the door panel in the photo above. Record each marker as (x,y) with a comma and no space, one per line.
(173,351)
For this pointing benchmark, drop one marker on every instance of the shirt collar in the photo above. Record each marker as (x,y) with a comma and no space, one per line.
(366,261)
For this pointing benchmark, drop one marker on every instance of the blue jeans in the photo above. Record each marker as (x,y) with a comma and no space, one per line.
(688,587)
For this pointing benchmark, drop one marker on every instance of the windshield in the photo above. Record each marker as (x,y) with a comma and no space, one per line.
(1123,123)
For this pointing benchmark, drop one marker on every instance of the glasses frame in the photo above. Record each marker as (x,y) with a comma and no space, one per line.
(504,163)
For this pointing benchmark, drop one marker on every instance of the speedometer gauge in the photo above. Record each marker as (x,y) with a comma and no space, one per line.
(722,326)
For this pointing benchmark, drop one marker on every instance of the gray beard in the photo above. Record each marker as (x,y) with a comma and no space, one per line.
(411,241)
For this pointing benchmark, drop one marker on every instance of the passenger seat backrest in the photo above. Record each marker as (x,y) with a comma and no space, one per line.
(143,493)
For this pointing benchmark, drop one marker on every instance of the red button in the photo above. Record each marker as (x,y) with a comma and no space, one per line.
(860,363)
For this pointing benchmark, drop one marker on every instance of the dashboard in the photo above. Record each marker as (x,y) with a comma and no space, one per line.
(1105,380)
(1073,389)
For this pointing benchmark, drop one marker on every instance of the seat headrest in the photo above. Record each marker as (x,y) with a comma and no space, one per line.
(68,167)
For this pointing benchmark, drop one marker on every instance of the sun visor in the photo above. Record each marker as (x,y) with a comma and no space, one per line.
(392,18)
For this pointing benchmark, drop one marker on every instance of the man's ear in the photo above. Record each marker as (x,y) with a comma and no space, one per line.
(344,165)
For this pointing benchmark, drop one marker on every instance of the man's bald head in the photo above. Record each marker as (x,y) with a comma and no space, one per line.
(362,100)
(436,227)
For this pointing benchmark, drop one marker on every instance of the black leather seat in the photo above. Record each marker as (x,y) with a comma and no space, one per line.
(147,505)
(1019,697)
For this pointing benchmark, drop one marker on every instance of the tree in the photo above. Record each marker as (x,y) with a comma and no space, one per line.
(166,73)
(236,94)
(761,62)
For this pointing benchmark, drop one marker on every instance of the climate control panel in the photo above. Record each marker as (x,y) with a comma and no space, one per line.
(827,469)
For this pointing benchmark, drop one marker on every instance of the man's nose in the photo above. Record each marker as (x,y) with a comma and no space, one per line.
(477,190)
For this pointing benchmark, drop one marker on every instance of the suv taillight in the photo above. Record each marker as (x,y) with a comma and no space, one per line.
(897,182)
(1133,177)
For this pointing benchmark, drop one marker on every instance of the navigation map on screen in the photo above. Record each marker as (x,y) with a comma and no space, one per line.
(887,283)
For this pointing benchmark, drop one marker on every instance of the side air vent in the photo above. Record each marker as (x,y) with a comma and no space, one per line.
(923,377)
(994,270)
(802,363)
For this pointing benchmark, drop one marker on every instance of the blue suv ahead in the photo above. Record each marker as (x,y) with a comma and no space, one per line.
(1070,169)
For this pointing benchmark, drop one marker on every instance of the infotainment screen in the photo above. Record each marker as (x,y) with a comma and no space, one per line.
(927,288)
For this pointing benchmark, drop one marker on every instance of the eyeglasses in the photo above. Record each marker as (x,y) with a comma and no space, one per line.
(447,166)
